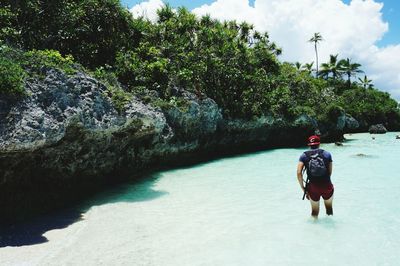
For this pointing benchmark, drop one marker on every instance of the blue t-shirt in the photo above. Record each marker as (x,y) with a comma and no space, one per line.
(327,156)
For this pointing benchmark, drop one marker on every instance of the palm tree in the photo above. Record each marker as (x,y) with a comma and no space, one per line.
(298,66)
(332,67)
(349,68)
(365,82)
(316,39)
(308,67)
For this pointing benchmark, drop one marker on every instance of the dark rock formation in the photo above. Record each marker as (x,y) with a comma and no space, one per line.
(377,129)
(67,140)
(332,132)
(351,124)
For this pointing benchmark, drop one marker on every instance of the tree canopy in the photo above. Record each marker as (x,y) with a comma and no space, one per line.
(230,62)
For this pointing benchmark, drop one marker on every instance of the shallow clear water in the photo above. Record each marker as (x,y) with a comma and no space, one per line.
(245,210)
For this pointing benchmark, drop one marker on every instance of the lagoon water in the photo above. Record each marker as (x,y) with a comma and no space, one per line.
(244,210)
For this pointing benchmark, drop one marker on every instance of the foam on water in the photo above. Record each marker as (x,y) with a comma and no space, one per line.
(245,210)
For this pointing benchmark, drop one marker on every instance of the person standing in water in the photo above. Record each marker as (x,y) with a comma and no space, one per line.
(318,165)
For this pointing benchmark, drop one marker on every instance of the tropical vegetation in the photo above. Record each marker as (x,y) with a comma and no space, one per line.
(230,62)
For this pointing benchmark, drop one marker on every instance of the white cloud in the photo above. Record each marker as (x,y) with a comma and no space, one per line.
(147,9)
(351,30)
(384,68)
(228,10)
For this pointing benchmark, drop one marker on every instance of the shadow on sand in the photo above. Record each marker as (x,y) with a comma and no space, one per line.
(32,232)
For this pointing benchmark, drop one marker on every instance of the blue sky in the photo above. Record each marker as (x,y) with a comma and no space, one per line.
(391,14)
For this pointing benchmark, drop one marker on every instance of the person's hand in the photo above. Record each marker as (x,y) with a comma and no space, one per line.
(307,196)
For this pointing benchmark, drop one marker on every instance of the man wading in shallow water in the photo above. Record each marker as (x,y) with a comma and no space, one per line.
(318,164)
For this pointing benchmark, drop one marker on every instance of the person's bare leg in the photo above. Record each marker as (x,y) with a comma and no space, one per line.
(314,208)
(328,206)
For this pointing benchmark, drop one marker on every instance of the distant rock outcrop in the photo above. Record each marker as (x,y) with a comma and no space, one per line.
(351,123)
(377,129)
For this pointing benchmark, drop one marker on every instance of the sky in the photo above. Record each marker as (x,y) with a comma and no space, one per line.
(367,31)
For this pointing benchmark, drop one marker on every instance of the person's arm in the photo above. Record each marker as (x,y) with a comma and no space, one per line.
(300,167)
(329,158)
(330,167)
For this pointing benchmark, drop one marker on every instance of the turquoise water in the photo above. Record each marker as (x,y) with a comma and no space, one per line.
(245,210)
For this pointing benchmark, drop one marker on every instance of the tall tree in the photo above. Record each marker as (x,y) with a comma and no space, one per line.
(316,39)
(350,69)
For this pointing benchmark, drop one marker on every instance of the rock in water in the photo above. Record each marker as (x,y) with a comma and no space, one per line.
(377,129)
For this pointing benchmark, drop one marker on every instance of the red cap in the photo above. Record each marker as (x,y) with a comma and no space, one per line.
(314,140)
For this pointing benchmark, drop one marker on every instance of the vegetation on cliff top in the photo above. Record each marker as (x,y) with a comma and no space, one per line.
(230,62)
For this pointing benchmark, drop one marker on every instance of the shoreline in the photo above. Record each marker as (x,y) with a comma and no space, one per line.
(63,144)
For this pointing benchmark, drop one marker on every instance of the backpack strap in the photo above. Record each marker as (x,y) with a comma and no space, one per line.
(321,153)
(308,158)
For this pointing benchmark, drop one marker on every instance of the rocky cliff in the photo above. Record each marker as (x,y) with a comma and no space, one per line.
(66,139)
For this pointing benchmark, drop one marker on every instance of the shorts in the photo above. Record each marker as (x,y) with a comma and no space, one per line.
(315,191)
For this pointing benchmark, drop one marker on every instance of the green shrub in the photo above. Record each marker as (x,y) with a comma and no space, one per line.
(11,78)
(333,111)
(165,105)
(36,60)
(173,102)
(371,105)
(303,110)
(119,97)
(106,75)
(145,67)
